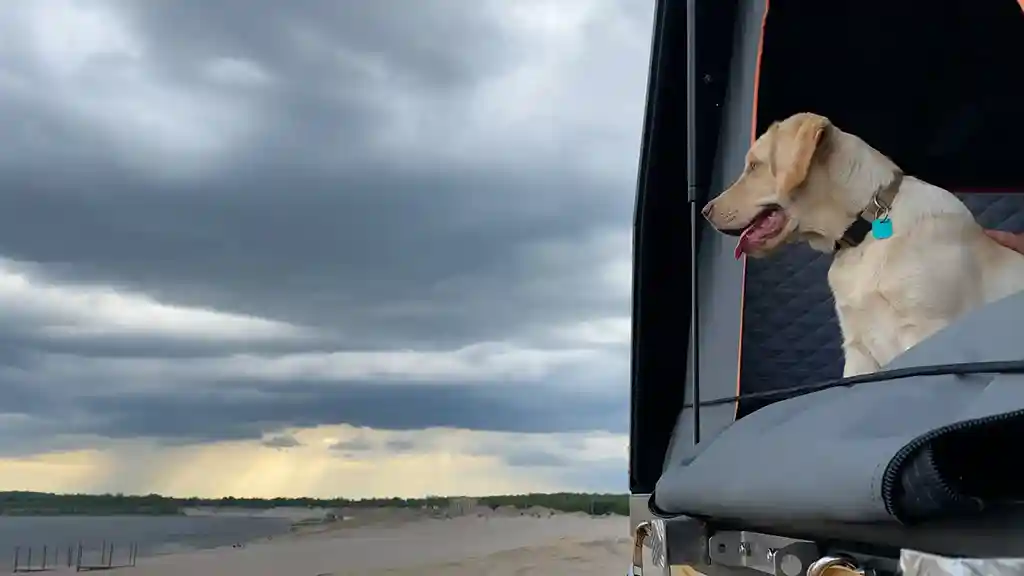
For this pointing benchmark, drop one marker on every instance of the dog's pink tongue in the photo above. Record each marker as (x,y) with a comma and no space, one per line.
(743,242)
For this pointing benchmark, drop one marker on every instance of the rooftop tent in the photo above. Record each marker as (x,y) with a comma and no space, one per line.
(934,85)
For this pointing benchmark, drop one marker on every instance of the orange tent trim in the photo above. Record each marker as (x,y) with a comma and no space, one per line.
(753,137)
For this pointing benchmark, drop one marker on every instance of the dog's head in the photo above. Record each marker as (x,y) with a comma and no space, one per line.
(804,180)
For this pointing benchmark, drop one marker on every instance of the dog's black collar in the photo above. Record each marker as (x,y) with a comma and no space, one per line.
(881,202)
(854,234)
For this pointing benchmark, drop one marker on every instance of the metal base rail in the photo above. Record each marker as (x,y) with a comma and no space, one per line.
(693,543)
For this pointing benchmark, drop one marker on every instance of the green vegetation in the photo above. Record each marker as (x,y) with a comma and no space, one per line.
(46,504)
(596,504)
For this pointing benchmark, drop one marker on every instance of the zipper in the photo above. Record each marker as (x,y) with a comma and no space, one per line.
(892,471)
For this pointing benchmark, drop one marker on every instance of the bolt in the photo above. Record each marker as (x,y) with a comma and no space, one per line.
(790,565)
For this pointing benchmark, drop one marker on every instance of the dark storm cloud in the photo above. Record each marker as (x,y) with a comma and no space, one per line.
(14,345)
(373,263)
(281,442)
(362,443)
(437,43)
(243,409)
(217,416)
(400,446)
(177,409)
(370,246)
(310,223)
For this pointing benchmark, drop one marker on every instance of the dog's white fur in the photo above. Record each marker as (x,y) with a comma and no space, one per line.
(890,294)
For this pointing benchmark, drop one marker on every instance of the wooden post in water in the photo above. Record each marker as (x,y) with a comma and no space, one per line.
(69,556)
(78,563)
(45,554)
(29,563)
(133,553)
(17,553)
(110,557)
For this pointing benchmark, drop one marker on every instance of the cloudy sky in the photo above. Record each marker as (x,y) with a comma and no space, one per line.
(325,248)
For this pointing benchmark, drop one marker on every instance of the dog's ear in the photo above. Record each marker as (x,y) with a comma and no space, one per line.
(810,134)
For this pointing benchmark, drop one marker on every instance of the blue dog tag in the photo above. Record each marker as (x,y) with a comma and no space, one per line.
(881,228)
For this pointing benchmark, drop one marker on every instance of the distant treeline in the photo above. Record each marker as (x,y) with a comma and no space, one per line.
(47,504)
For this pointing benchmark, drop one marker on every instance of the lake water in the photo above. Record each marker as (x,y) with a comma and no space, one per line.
(152,534)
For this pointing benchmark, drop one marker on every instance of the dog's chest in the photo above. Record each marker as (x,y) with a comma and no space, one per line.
(857,278)
(890,295)
(866,313)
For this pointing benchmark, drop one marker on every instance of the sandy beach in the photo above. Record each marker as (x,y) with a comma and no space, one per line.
(555,545)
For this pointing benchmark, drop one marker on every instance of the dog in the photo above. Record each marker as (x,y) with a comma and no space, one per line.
(908,257)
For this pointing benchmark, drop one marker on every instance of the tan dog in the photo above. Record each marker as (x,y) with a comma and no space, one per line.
(808,181)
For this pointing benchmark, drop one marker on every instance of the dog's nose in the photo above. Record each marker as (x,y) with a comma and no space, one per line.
(708,208)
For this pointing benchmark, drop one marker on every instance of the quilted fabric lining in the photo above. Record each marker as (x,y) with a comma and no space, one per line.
(790,335)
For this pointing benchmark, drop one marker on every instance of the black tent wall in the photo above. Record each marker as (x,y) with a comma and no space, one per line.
(661,236)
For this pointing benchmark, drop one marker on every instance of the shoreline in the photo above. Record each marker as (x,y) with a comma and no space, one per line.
(284,525)
(525,544)
(493,542)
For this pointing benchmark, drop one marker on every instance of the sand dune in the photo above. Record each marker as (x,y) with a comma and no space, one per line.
(564,558)
(559,545)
